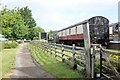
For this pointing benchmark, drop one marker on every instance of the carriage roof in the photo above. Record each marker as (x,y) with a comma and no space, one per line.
(83,22)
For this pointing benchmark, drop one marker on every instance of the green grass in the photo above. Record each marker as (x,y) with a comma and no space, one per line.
(49,63)
(0,65)
(8,60)
(0,46)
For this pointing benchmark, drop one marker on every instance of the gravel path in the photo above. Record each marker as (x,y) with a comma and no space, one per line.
(26,67)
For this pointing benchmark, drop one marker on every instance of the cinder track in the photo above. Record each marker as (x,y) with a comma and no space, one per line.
(26,67)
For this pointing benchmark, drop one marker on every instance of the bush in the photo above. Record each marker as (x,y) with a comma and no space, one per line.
(9,45)
(36,38)
(19,41)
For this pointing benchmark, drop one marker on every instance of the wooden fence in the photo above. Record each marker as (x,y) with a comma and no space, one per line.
(76,58)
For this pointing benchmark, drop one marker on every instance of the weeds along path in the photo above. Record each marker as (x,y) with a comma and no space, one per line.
(25,66)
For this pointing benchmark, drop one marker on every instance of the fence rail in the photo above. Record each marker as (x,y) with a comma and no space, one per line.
(76,57)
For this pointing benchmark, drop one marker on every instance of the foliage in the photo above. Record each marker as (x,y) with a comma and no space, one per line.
(7,32)
(20,31)
(13,25)
(97,65)
(27,16)
(116,59)
(35,38)
(36,31)
(9,45)
(30,22)
(111,58)
(19,24)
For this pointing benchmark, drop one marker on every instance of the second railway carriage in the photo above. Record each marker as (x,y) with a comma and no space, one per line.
(98,30)
(114,31)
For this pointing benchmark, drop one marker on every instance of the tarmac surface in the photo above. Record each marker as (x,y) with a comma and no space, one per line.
(26,67)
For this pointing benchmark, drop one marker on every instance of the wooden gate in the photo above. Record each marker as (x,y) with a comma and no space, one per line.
(109,61)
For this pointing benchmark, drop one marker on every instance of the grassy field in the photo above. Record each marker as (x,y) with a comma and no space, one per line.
(0,46)
(8,60)
(53,66)
(0,60)
(0,65)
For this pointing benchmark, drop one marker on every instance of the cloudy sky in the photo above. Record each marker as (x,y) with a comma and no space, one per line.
(58,14)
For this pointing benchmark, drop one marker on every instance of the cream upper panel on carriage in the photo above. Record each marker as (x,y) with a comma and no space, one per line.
(80,29)
(73,30)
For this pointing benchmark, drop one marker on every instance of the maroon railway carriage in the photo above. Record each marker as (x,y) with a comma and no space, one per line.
(98,28)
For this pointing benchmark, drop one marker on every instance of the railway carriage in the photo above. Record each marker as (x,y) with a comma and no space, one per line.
(98,30)
(114,31)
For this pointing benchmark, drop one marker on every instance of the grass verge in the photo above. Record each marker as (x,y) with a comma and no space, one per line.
(53,66)
(8,60)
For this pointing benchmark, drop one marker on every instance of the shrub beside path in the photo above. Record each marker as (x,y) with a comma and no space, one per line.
(25,66)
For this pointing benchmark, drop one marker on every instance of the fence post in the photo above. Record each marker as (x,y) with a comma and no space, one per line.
(87,46)
(93,61)
(100,61)
(41,46)
(55,49)
(73,57)
(62,50)
(50,49)
(44,48)
(47,48)
(88,62)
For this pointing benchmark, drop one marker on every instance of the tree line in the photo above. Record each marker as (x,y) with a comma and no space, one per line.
(18,23)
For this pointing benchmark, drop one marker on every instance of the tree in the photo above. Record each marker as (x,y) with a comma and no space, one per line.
(13,25)
(20,30)
(27,16)
(36,31)
(28,19)
(19,24)
(7,32)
